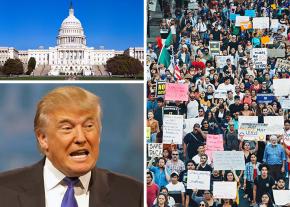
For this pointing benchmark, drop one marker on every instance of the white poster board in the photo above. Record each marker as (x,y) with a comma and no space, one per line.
(252,131)
(220,93)
(285,103)
(172,129)
(155,149)
(275,124)
(247,119)
(189,123)
(228,160)
(261,23)
(281,87)
(221,61)
(281,197)
(227,190)
(275,23)
(240,19)
(198,180)
(259,56)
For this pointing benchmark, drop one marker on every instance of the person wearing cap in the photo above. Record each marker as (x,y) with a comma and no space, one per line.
(275,157)
(176,189)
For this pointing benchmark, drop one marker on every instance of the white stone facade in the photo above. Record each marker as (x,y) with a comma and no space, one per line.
(70,55)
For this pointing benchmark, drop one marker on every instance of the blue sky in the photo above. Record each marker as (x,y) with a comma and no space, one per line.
(29,24)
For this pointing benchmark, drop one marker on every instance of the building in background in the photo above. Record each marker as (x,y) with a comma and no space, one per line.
(71,55)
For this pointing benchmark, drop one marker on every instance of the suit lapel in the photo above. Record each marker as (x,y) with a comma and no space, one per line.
(99,189)
(32,194)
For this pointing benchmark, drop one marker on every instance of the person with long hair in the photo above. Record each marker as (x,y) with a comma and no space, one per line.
(207,198)
(170,199)
(162,200)
(154,126)
(231,176)
(245,146)
(266,201)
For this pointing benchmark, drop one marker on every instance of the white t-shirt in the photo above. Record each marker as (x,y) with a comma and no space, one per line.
(177,187)
(228,87)
(196,159)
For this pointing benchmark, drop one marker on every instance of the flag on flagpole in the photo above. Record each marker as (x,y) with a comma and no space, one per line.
(164,57)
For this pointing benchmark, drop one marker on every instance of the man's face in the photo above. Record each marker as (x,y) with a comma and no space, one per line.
(174,155)
(264,171)
(203,159)
(174,179)
(70,140)
(148,179)
(281,183)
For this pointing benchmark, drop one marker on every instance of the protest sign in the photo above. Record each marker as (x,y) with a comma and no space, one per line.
(259,56)
(282,64)
(275,124)
(233,16)
(281,87)
(285,103)
(221,61)
(155,149)
(248,119)
(220,93)
(148,133)
(246,25)
(281,197)
(188,124)
(265,39)
(240,19)
(198,180)
(265,97)
(213,143)
(276,53)
(250,13)
(214,47)
(172,129)
(176,92)
(171,110)
(228,160)
(274,23)
(253,132)
(261,23)
(152,5)
(226,190)
(160,88)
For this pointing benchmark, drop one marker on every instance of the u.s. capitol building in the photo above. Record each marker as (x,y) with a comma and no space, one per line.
(71,55)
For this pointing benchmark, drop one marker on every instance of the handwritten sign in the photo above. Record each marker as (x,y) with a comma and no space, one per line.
(198,180)
(221,61)
(277,53)
(253,132)
(259,56)
(265,97)
(282,64)
(189,123)
(220,93)
(160,88)
(261,23)
(240,19)
(285,103)
(155,149)
(275,124)
(281,87)
(281,197)
(213,143)
(248,119)
(172,129)
(214,47)
(229,160)
(227,190)
(176,92)
(275,23)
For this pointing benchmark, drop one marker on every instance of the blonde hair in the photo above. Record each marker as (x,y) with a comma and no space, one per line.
(66,97)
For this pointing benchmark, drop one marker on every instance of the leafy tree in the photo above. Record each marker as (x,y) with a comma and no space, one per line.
(124,65)
(13,67)
(31,65)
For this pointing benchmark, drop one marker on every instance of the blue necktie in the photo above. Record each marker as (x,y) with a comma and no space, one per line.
(69,199)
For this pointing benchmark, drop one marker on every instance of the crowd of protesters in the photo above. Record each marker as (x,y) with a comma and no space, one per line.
(189,27)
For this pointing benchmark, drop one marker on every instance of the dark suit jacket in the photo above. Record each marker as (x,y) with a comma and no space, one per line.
(25,188)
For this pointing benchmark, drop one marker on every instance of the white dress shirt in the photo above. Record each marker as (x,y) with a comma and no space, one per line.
(55,187)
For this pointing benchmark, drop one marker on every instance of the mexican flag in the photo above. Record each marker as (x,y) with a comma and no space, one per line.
(164,57)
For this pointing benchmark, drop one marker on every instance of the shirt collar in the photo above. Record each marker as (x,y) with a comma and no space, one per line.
(52,177)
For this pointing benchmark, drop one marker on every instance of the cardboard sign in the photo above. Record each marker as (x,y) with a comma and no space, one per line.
(214,47)
(246,25)
(172,129)
(148,133)
(276,53)
(281,197)
(220,93)
(252,132)
(224,189)
(259,56)
(213,143)
(171,110)
(176,92)
(281,87)
(160,88)
(261,23)
(282,64)
(155,149)
(228,160)
(250,13)
(240,19)
(198,180)
(265,98)
(189,123)
(221,61)
(275,124)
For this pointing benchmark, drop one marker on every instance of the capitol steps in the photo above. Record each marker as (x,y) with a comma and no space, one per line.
(100,70)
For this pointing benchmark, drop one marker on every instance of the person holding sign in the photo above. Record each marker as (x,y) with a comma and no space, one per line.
(154,126)
(207,196)
(266,201)
(161,176)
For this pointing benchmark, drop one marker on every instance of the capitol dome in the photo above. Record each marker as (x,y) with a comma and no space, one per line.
(71,31)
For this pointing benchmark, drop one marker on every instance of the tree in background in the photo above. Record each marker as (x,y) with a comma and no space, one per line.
(31,65)
(124,65)
(13,67)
